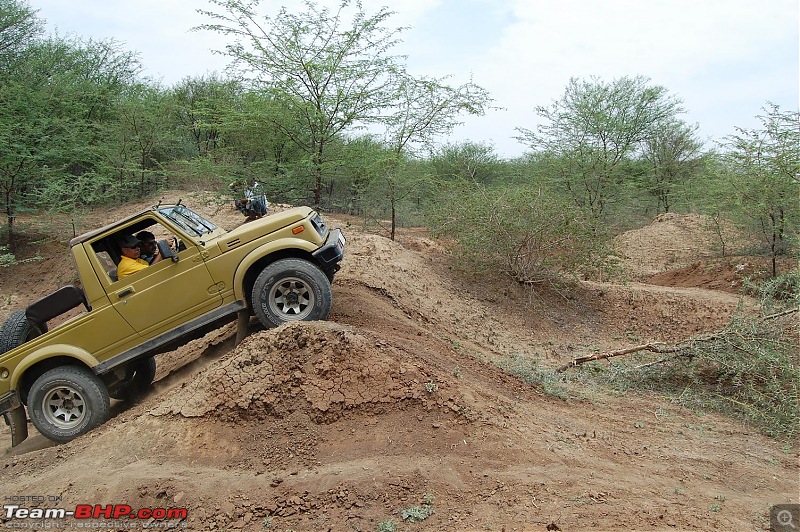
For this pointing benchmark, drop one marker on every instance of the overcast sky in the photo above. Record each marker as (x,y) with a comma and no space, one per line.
(724,58)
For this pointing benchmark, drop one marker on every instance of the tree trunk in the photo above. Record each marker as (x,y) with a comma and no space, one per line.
(394,217)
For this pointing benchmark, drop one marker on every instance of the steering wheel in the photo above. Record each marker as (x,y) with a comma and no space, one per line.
(179,245)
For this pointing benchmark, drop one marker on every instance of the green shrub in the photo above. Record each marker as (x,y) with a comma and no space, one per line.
(526,233)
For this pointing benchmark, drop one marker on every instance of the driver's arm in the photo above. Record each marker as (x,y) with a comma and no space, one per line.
(157,256)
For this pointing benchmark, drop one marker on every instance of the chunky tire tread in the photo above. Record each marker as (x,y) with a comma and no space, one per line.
(17,330)
(144,373)
(84,383)
(313,281)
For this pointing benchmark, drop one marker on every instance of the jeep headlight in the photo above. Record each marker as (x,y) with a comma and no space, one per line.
(319,224)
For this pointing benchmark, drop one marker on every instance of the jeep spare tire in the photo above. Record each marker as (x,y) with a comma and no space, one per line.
(17,330)
(291,290)
(67,401)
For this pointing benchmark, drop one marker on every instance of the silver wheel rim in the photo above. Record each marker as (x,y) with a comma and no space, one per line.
(64,407)
(291,299)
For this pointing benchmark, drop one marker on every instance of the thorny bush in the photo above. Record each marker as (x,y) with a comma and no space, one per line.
(750,369)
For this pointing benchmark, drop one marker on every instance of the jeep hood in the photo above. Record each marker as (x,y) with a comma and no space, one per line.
(263,226)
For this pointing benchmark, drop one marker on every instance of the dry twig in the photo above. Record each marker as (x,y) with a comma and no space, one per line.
(652,346)
(779,314)
(658,347)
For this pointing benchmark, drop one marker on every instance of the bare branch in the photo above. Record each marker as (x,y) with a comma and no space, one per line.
(654,347)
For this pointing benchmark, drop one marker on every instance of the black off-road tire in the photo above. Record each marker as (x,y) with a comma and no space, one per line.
(67,401)
(139,376)
(17,330)
(291,290)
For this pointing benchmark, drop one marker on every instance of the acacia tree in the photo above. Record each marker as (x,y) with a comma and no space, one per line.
(468,161)
(144,136)
(593,131)
(20,29)
(423,109)
(55,96)
(764,166)
(201,105)
(673,153)
(331,72)
(19,26)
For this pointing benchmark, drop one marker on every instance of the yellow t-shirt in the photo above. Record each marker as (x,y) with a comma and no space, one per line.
(128,266)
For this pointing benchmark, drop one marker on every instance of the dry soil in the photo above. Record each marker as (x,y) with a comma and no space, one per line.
(396,407)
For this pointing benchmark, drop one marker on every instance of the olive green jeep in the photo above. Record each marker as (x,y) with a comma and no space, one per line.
(278,268)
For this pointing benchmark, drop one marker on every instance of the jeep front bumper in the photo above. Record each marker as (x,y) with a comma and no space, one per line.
(332,251)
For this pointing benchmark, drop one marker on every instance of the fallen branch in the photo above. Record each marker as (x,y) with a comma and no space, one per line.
(779,314)
(658,347)
(652,346)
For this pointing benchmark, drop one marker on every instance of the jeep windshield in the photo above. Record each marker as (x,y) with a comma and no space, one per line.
(188,220)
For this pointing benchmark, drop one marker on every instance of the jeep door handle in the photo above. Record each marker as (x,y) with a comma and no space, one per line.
(125,292)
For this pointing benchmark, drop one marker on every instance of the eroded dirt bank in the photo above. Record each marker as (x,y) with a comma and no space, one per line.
(397,403)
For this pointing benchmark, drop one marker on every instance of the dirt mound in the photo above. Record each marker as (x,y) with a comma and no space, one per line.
(396,407)
(671,241)
(639,312)
(323,370)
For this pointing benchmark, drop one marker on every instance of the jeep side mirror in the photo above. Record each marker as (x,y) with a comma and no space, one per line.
(166,251)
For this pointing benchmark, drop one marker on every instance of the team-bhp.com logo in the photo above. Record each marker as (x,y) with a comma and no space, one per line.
(97,511)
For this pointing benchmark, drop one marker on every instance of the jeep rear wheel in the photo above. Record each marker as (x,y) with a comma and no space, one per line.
(139,376)
(17,330)
(66,402)
(291,290)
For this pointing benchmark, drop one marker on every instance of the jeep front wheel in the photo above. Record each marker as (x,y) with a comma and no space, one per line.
(291,290)
(67,401)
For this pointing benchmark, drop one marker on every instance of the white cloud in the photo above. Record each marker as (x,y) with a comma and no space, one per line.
(724,58)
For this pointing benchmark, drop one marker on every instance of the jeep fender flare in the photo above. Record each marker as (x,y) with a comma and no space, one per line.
(298,246)
(49,352)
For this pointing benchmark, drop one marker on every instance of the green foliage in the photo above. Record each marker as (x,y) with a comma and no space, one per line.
(417,513)
(56,101)
(6,259)
(423,109)
(359,163)
(202,107)
(776,294)
(527,233)
(761,169)
(589,135)
(386,526)
(672,152)
(19,26)
(326,75)
(397,193)
(468,162)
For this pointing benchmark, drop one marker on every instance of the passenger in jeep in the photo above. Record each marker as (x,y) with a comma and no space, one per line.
(130,261)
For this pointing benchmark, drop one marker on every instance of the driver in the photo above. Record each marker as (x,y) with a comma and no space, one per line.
(148,249)
(130,262)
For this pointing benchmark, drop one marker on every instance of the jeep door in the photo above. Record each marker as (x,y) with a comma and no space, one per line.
(168,293)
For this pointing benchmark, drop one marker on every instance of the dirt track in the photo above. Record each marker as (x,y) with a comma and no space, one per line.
(397,402)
